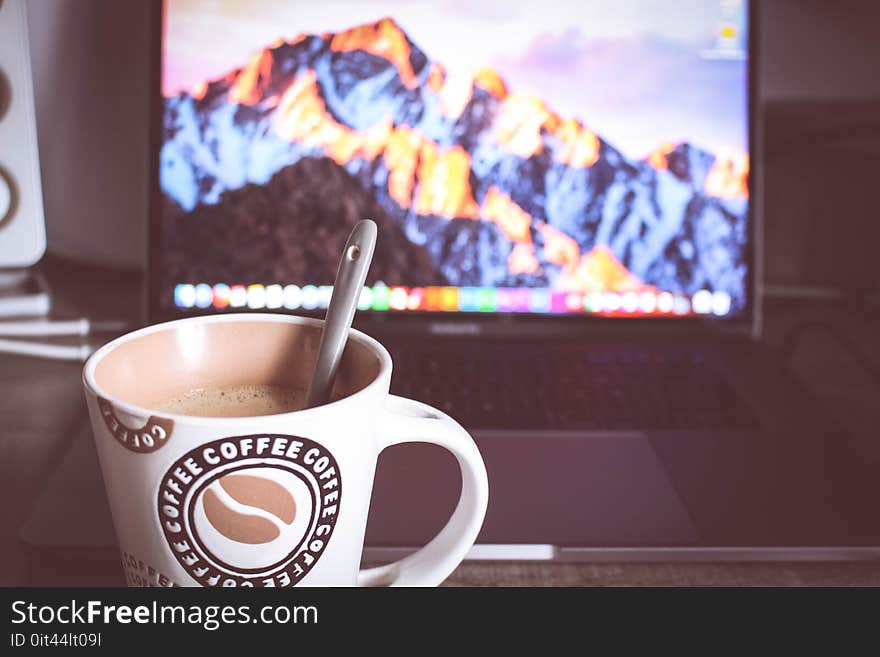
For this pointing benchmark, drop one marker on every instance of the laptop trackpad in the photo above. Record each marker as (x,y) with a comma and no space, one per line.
(579,491)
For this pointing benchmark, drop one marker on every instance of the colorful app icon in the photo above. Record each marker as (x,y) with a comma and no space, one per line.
(221,295)
(610,302)
(274,296)
(204,295)
(325,293)
(365,300)
(433,298)
(504,298)
(184,295)
(487,301)
(721,303)
(557,302)
(681,305)
(292,297)
(256,296)
(468,300)
(449,299)
(521,300)
(629,302)
(702,302)
(311,297)
(380,297)
(594,302)
(727,32)
(539,300)
(416,299)
(574,302)
(238,296)
(398,298)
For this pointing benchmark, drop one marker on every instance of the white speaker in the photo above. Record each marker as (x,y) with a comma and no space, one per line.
(22,225)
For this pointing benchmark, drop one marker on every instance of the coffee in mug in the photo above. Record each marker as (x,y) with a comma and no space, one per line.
(235,401)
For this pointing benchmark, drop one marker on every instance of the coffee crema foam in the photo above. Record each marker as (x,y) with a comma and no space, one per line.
(235,401)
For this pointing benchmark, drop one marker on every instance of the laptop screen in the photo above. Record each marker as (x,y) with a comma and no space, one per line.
(584,158)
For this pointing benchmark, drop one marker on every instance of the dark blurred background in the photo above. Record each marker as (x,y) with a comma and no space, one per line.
(820,97)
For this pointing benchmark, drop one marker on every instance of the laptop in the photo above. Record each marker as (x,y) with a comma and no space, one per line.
(568,258)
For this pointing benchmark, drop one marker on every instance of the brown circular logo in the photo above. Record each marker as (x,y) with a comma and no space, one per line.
(143,440)
(252,510)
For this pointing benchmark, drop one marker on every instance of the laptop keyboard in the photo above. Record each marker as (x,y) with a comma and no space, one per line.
(601,389)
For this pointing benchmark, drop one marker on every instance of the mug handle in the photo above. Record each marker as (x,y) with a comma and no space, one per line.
(410,421)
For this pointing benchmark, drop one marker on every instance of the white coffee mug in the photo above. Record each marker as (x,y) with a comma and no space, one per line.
(291,491)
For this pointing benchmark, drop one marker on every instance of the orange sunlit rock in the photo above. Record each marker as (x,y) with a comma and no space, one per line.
(444,182)
(522,259)
(249,84)
(421,173)
(455,94)
(518,124)
(489,80)
(559,248)
(600,271)
(384,39)
(729,176)
(522,122)
(442,175)
(657,159)
(510,217)
(580,145)
(199,90)
(303,118)
(436,77)
(401,157)
(375,139)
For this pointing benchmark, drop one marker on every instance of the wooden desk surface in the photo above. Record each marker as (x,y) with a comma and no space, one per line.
(41,402)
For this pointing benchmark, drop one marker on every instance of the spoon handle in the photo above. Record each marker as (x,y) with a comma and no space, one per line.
(350,277)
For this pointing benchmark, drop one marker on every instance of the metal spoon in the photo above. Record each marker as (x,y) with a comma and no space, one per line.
(350,277)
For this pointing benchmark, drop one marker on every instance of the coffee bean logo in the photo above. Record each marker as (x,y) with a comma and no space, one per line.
(253,510)
(255,494)
(252,515)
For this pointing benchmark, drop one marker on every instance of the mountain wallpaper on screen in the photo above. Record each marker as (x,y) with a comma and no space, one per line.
(267,168)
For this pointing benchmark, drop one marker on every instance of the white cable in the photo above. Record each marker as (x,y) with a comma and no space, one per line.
(79,352)
(45,327)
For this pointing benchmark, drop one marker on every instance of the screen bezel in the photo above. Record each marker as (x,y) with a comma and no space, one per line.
(748,322)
